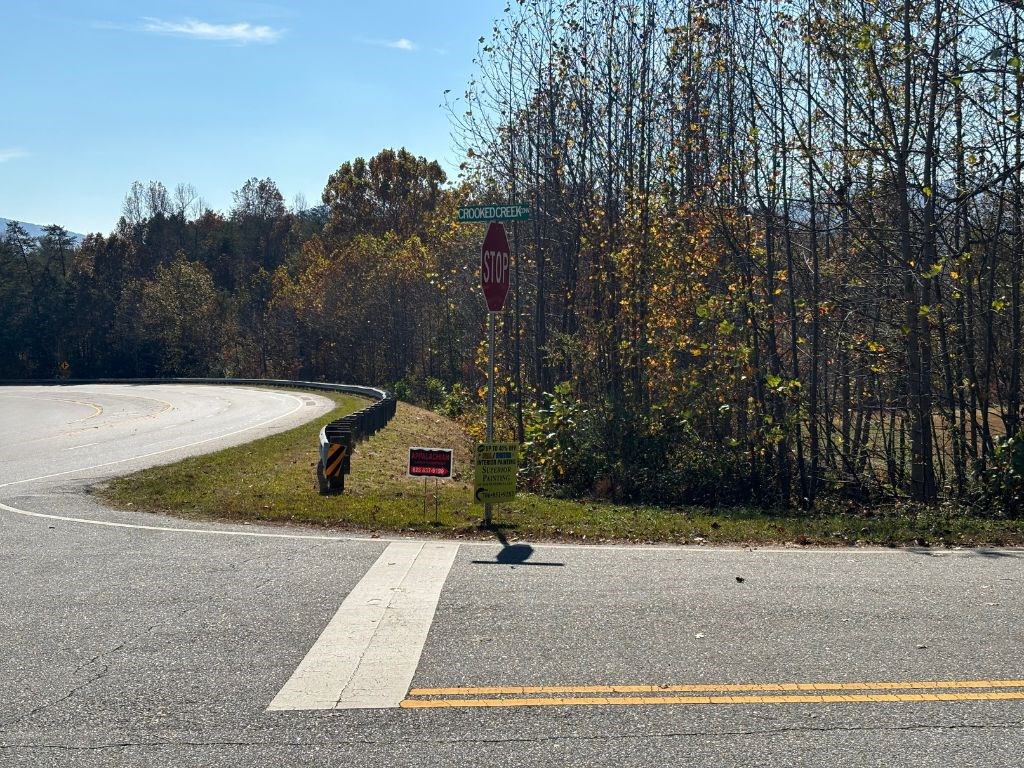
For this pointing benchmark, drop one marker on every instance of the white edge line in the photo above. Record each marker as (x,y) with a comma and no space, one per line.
(668,549)
(169,529)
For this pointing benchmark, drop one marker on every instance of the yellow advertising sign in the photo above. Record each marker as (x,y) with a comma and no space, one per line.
(494,476)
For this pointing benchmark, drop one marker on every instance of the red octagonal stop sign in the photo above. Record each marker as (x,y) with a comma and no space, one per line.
(495,256)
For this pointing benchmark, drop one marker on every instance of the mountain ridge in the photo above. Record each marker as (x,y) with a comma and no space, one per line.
(36,230)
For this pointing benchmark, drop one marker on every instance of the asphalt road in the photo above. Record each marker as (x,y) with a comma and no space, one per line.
(156,642)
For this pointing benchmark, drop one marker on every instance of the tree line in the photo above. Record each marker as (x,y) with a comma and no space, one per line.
(366,287)
(778,247)
(775,255)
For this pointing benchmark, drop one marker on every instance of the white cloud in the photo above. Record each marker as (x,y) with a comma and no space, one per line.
(403,44)
(241,33)
(12,153)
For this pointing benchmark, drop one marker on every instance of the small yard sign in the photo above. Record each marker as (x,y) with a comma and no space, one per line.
(430,462)
(494,478)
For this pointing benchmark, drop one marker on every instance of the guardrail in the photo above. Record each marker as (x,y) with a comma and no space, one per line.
(337,439)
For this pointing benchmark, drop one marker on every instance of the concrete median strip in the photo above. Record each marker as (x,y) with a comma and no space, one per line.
(367,655)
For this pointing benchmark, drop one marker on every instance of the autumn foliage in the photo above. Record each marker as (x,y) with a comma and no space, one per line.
(775,254)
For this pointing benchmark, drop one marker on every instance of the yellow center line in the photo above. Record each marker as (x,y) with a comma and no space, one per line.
(525,690)
(96,407)
(555,701)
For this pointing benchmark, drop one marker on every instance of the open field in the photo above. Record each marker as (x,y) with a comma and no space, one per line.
(273,480)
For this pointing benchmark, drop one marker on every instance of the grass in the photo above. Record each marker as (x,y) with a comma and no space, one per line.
(273,480)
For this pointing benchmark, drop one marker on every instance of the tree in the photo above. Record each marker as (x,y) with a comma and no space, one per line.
(262,223)
(393,192)
(181,319)
(57,245)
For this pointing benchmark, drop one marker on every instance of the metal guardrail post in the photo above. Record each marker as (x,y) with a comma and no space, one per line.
(338,439)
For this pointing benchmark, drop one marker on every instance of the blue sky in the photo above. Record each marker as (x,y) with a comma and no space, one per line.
(97,94)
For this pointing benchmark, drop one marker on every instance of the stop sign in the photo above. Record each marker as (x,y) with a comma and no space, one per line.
(495,256)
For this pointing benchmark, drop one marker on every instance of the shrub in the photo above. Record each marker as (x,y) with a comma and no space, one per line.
(456,402)
(1003,482)
(428,393)
(563,447)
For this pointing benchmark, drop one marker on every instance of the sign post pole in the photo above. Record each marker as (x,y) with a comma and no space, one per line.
(495,258)
(488,509)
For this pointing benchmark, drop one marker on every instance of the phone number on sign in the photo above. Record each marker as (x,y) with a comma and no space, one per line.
(441,471)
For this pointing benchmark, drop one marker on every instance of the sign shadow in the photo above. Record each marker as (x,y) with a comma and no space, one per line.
(513,554)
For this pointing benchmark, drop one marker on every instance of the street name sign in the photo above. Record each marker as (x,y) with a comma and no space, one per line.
(495,256)
(494,473)
(471,214)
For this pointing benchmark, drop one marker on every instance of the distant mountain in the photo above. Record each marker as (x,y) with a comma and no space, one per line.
(36,230)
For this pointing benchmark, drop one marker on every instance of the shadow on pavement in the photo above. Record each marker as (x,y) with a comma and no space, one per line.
(512,554)
(991,554)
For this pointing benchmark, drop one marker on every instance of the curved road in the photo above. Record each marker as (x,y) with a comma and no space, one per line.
(60,437)
(132,640)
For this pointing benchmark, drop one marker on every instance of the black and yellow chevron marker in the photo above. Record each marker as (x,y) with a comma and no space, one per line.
(335,459)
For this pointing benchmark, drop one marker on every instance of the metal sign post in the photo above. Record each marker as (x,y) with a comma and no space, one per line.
(495,257)
(437,509)
(488,508)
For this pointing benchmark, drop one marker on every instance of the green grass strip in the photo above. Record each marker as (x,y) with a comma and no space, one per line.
(273,480)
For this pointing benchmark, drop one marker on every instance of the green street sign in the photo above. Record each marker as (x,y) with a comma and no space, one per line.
(494,475)
(473,214)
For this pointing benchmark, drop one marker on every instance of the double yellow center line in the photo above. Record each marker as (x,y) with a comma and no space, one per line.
(708,694)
